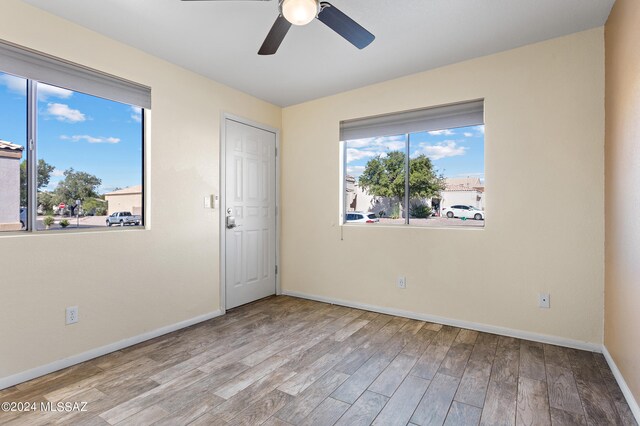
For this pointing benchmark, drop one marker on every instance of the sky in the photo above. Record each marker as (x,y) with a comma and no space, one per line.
(455,152)
(75,130)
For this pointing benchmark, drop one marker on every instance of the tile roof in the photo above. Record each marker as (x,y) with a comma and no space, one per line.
(136,189)
(463,188)
(464,184)
(467,181)
(11,146)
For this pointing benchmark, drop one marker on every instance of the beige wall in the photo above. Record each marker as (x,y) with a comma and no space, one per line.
(545,128)
(164,275)
(124,202)
(544,109)
(622,166)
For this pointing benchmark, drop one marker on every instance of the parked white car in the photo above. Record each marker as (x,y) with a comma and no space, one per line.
(361,217)
(463,211)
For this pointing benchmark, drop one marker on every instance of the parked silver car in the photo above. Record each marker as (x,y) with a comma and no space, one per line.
(123,218)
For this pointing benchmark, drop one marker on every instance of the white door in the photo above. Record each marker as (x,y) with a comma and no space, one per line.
(250,210)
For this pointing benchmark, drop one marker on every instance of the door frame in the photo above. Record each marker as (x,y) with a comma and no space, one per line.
(222,202)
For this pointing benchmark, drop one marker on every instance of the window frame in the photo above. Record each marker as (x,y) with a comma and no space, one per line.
(394,121)
(32,165)
(38,67)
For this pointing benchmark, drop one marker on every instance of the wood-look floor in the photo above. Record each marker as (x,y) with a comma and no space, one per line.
(283,361)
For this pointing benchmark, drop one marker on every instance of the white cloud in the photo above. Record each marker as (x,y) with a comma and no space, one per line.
(355,169)
(381,141)
(358,154)
(359,149)
(480,129)
(468,134)
(442,150)
(45,92)
(136,114)
(445,132)
(57,173)
(62,112)
(359,143)
(14,84)
(90,139)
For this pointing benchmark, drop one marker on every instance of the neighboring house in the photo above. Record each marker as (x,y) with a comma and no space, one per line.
(127,199)
(468,191)
(10,156)
(357,199)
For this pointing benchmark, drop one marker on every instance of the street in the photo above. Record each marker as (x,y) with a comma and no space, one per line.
(85,222)
(435,222)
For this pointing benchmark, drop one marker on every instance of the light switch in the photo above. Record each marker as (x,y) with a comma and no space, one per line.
(211,201)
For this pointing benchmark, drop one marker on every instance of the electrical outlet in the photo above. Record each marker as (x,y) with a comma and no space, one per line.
(402,282)
(72,315)
(544,300)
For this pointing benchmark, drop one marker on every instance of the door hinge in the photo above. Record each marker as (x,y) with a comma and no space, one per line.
(276,269)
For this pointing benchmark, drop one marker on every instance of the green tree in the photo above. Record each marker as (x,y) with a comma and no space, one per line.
(420,210)
(46,200)
(385,177)
(44,175)
(424,181)
(76,186)
(95,206)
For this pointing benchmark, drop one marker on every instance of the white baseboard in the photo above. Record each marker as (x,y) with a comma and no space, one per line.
(633,404)
(24,376)
(543,338)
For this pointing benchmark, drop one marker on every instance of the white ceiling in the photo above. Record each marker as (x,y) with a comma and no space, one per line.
(220,39)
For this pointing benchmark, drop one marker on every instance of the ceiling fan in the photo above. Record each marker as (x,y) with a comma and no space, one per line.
(301,12)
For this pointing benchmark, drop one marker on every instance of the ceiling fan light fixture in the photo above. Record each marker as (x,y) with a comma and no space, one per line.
(300,12)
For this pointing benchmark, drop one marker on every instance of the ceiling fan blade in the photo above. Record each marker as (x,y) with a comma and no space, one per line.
(275,36)
(353,32)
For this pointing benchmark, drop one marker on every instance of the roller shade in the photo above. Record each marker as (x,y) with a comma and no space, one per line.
(436,118)
(47,69)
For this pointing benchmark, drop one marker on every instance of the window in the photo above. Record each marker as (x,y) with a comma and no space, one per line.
(71,144)
(420,168)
